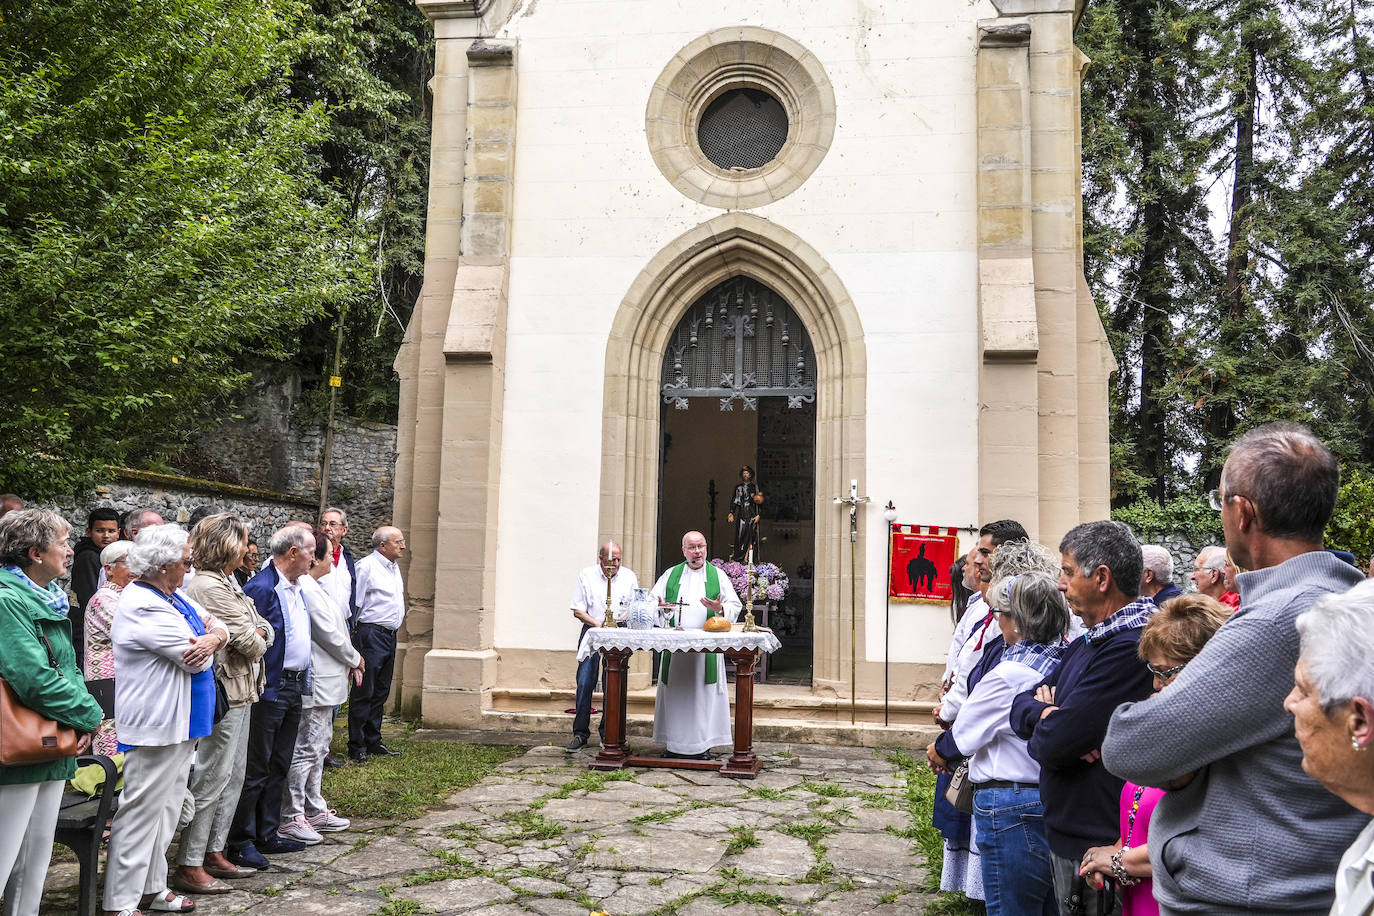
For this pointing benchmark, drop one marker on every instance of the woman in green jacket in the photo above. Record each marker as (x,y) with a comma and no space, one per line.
(33,623)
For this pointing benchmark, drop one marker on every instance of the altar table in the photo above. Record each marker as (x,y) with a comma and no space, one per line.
(617,644)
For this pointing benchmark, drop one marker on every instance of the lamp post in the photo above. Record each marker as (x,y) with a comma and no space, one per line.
(890,517)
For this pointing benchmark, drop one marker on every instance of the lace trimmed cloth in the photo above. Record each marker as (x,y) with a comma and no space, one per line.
(668,640)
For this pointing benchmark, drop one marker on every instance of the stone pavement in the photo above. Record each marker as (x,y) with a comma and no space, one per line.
(819,831)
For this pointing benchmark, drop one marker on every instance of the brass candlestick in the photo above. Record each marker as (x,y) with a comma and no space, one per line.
(610,615)
(749,626)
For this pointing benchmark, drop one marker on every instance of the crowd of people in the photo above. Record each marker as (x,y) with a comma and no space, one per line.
(225,677)
(1110,743)
(1133,748)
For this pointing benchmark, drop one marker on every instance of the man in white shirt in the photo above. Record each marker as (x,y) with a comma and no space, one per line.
(692,708)
(589,607)
(338,582)
(381,611)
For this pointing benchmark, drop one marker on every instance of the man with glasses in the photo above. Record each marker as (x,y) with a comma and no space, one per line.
(343,571)
(1243,828)
(249,567)
(1209,575)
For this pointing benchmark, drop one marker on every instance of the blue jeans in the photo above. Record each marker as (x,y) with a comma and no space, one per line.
(588,673)
(1017,879)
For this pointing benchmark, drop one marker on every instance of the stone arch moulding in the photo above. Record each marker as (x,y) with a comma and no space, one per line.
(735,244)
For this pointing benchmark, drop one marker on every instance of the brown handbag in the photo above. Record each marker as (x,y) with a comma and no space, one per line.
(28,737)
(959,792)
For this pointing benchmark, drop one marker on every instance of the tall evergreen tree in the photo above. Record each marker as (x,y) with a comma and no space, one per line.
(367,62)
(1146,235)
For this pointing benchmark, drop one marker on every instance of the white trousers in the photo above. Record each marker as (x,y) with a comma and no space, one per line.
(307,764)
(215,784)
(28,820)
(154,788)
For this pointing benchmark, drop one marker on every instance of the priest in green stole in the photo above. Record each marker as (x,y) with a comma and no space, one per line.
(692,708)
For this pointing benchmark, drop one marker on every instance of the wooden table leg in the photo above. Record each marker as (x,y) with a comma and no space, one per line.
(614,750)
(742,763)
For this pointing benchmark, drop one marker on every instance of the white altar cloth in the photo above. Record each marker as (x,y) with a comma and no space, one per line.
(669,640)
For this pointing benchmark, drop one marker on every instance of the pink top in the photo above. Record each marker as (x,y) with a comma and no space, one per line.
(1140,899)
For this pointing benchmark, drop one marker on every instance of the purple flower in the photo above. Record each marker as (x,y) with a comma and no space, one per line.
(776,591)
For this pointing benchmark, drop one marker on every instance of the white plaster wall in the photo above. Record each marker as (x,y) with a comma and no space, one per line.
(892,208)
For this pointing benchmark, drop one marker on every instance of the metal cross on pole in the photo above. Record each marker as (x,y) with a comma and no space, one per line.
(852,501)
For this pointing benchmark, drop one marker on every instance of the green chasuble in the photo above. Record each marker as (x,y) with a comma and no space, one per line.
(670,595)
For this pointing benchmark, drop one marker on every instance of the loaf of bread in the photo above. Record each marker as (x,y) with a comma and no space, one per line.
(716,625)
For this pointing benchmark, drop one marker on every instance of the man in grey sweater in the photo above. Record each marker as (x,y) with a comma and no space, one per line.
(1243,829)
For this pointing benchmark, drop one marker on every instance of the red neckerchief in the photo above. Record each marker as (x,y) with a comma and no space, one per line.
(987,622)
(338,552)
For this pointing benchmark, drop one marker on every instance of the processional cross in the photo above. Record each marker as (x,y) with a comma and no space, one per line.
(852,501)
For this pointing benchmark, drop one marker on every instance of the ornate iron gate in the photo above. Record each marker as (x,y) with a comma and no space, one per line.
(739,342)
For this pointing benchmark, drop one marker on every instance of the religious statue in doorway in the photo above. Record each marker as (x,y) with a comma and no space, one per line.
(744,512)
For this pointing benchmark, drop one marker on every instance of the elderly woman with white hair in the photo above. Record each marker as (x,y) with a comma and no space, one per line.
(1332,703)
(164,646)
(100,614)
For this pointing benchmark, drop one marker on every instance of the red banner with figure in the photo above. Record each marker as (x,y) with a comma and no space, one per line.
(921,558)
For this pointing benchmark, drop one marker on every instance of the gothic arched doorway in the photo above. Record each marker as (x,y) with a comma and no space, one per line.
(739,388)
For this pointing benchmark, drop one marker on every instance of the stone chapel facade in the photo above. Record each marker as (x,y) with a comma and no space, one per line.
(899,180)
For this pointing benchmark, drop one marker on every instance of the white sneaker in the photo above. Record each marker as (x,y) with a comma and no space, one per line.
(328,822)
(297,829)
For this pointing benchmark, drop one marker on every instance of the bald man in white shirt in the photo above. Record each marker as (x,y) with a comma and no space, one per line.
(381,611)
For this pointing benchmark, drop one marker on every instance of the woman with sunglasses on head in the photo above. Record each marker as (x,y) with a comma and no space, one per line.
(1172,638)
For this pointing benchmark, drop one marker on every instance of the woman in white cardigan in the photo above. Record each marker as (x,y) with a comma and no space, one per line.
(305,814)
(164,647)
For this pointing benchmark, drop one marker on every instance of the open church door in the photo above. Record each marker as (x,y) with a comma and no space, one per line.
(739,389)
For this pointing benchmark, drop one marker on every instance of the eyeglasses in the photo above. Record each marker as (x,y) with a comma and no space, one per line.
(1166,673)
(1217,500)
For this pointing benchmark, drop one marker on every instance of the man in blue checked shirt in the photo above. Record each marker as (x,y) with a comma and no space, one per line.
(1064,717)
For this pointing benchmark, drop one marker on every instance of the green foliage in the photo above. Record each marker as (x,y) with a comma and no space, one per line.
(1352,524)
(161,223)
(1267,317)
(367,62)
(1189,516)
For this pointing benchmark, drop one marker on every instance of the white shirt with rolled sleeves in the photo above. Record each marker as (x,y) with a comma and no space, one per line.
(590,595)
(380,592)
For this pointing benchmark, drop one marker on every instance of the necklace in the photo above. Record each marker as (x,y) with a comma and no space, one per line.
(1130,818)
(1119,870)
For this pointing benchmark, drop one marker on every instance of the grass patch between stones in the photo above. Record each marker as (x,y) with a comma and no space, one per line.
(918,799)
(402,788)
(742,838)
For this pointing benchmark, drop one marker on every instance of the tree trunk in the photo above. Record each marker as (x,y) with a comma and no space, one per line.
(1221,423)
